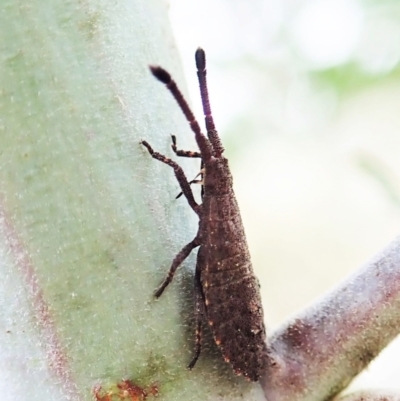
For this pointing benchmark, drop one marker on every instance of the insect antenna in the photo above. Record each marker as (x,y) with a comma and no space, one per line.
(212,133)
(202,141)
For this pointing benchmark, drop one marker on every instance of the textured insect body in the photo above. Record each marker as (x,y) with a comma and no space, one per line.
(226,291)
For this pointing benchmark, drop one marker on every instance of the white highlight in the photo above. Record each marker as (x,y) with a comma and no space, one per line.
(327,32)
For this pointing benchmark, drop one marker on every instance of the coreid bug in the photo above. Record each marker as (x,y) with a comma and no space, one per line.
(226,291)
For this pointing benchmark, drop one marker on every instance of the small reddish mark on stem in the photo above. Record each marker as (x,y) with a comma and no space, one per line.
(100,395)
(125,390)
(130,390)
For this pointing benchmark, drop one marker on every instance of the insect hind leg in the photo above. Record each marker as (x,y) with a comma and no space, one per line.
(200,314)
(179,258)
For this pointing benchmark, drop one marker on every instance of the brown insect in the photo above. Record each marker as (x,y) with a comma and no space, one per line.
(226,291)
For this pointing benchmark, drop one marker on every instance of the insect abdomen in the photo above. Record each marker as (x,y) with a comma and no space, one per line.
(235,316)
(230,289)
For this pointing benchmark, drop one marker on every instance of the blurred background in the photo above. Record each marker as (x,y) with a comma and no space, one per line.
(306,95)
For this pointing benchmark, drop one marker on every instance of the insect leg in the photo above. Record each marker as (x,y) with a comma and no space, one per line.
(194,181)
(179,258)
(179,174)
(212,133)
(199,313)
(190,183)
(188,153)
(184,153)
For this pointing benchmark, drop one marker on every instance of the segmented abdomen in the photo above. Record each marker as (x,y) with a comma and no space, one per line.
(230,289)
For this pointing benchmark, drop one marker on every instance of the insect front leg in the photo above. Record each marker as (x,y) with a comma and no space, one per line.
(200,314)
(179,258)
(183,153)
(189,153)
(179,174)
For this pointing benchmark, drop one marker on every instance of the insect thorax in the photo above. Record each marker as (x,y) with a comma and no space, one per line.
(217,177)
